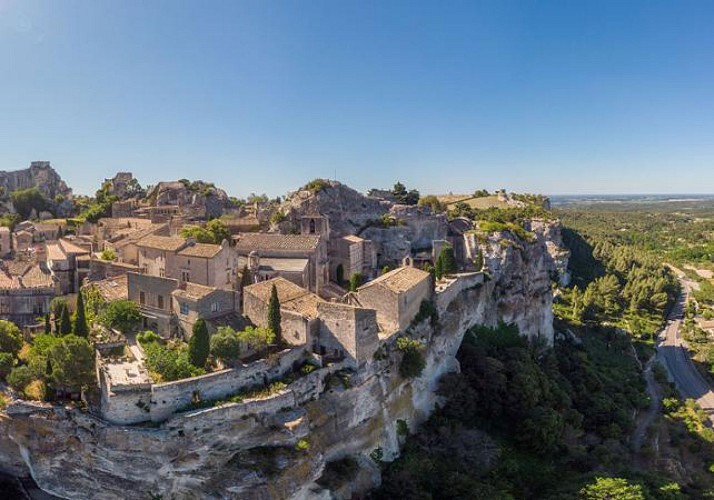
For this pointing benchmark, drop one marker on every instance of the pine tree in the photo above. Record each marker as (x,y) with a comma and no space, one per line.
(65,322)
(274,315)
(199,345)
(80,320)
(48,324)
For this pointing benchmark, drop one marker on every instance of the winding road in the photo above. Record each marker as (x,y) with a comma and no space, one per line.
(673,353)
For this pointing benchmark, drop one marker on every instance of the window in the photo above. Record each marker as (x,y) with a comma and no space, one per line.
(142,298)
(185,276)
(162,272)
(312,226)
(183,308)
(161,301)
(215,307)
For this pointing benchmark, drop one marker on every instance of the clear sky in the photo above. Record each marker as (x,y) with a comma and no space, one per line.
(261,96)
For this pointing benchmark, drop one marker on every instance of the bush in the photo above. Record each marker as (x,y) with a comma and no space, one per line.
(147,337)
(7,361)
(413,361)
(108,254)
(123,315)
(169,364)
(19,377)
(225,344)
(36,390)
(10,337)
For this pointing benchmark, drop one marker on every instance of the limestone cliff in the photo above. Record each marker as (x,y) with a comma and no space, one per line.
(278,449)
(39,174)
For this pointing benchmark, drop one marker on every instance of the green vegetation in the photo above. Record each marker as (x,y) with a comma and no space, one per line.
(80,327)
(10,338)
(413,361)
(198,345)
(432,202)
(108,254)
(27,200)
(100,206)
(274,321)
(214,232)
(410,197)
(355,281)
(123,315)
(316,185)
(446,262)
(229,345)
(168,363)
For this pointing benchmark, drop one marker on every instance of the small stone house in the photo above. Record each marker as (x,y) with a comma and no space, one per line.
(347,332)
(26,291)
(191,302)
(396,296)
(22,240)
(348,252)
(311,247)
(69,263)
(298,309)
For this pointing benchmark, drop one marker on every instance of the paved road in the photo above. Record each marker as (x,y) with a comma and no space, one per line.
(672,350)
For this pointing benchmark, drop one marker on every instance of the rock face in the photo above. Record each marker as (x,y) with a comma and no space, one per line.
(40,175)
(204,197)
(279,451)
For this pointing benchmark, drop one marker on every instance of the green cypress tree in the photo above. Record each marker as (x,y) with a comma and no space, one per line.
(274,315)
(355,281)
(340,274)
(448,260)
(48,324)
(65,322)
(439,267)
(245,277)
(80,319)
(199,345)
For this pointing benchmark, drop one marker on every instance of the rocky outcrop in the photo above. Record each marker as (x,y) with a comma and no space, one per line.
(39,174)
(201,197)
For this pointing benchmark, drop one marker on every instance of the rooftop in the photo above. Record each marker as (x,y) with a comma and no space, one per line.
(69,247)
(54,252)
(291,296)
(246,242)
(287,265)
(112,288)
(399,280)
(203,250)
(169,243)
(194,291)
(126,375)
(353,238)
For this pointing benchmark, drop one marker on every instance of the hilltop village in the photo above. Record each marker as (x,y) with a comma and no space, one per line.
(203,311)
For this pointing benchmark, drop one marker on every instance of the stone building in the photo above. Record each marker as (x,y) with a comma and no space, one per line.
(69,264)
(298,309)
(5,242)
(347,332)
(22,240)
(26,290)
(348,252)
(126,390)
(396,296)
(312,248)
(170,307)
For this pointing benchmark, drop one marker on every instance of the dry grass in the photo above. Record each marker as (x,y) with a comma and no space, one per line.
(477,203)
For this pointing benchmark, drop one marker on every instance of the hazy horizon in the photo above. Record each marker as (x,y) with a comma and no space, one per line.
(544,97)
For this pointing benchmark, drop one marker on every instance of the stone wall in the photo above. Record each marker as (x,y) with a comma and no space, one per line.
(169,397)
(447,290)
(348,331)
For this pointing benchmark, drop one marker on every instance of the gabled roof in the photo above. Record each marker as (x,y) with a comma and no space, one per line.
(54,252)
(291,297)
(169,243)
(202,250)
(247,242)
(399,280)
(69,247)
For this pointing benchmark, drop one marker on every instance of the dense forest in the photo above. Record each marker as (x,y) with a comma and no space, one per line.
(526,421)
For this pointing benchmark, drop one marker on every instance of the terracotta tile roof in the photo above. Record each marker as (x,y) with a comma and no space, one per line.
(112,288)
(7,282)
(291,296)
(203,250)
(69,247)
(399,280)
(54,252)
(247,242)
(38,276)
(123,239)
(169,243)
(194,291)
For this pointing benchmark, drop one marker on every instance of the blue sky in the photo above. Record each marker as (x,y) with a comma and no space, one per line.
(538,96)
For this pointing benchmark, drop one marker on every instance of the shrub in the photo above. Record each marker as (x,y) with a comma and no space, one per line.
(302,445)
(402,428)
(225,344)
(413,361)
(7,361)
(108,254)
(10,337)
(36,390)
(123,315)
(169,364)
(19,377)
(147,337)
(278,217)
